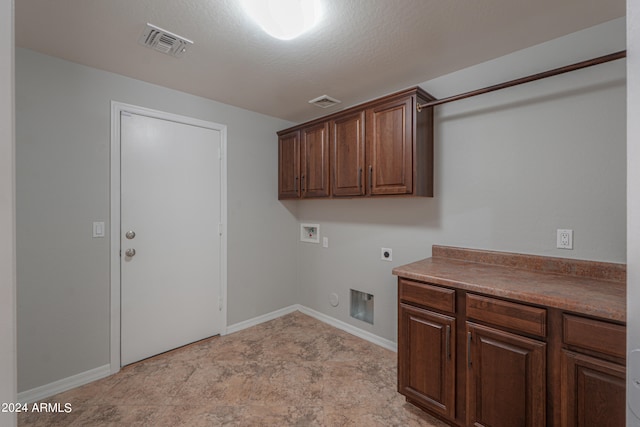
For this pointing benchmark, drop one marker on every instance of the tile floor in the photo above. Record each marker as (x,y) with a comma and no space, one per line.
(291,371)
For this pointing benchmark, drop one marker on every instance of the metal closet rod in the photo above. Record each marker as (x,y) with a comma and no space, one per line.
(531,78)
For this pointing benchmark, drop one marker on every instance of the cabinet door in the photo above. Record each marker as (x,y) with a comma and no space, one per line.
(390,147)
(315,161)
(347,155)
(506,384)
(426,359)
(593,392)
(289,166)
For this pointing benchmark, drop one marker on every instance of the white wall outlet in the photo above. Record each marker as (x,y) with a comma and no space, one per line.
(386,254)
(564,239)
(325,242)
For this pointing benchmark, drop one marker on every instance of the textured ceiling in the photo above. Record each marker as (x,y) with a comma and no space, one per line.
(362,48)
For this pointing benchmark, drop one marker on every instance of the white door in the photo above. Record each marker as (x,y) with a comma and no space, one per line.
(170,211)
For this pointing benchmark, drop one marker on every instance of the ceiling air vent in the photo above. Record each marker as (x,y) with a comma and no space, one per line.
(324,101)
(164,41)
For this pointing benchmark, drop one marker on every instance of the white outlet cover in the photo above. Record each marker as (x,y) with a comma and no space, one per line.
(564,239)
(386,254)
(98,229)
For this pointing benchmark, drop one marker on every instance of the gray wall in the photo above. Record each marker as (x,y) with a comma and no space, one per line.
(633,199)
(62,162)
(501,184)
(511,167)
(7,226)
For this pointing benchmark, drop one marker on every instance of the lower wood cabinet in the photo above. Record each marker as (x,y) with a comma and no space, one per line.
(593,373)
(593,391)
(475,360)
(427,369)
(506,384)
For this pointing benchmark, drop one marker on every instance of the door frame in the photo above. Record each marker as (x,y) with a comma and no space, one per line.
(114,254)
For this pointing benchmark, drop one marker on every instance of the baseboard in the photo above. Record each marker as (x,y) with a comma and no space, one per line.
(353,330)
(236,327)
(47,390)
(375,339)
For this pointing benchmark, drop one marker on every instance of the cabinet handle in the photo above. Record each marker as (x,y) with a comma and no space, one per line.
(360,179)
(370,179)
(468,348)
(448,342)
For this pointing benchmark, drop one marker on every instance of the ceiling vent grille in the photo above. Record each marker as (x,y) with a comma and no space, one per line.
(324,101)
(164,41)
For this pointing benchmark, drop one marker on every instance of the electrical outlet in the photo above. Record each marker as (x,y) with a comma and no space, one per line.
(564,239)
(386,254)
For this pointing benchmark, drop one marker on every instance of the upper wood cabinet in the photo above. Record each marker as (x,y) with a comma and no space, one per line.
(303,162)
(289,165)
(390,147)
(347,154)
(315,161)
(381,148)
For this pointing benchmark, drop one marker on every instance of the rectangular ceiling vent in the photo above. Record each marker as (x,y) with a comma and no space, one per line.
(324,101)
(164,41)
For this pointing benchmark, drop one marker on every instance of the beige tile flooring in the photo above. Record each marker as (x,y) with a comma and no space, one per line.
(291,371)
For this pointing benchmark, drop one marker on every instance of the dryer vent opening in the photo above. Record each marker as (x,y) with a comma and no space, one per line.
(362,306)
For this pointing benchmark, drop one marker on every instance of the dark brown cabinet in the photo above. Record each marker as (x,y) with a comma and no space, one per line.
(314,159)
(594,391)
(289,161)
(347,155)
(506,379)
(390,147)
(426,372)
(593,373)
(381,148)
(476,360)
(303,159)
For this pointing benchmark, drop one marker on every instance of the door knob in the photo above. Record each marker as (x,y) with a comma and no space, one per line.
(130,252)
(130,234)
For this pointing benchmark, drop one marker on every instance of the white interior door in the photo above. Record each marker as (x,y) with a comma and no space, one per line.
(171,207)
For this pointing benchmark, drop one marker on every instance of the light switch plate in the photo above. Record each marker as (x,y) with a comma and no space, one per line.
(98,229)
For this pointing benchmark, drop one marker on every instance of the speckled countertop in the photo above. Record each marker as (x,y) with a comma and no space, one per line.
(585,287)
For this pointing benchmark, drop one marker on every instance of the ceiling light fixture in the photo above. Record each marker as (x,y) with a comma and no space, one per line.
(284,19)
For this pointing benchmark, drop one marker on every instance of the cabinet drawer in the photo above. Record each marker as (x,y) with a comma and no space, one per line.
(519,317)
(427,295)
(604,337)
